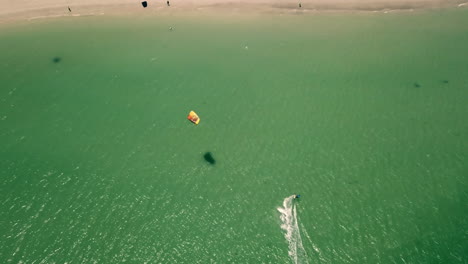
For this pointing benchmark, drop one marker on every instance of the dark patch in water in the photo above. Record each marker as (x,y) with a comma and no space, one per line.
(445,81)
(417,85)
(56,59)
(209,158)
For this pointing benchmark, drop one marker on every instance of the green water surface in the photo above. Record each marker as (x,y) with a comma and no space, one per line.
(364,115)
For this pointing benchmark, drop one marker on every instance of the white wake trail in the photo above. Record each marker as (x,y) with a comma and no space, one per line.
(290,225)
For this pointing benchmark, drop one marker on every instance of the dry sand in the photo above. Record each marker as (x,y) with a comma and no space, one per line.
(11,10)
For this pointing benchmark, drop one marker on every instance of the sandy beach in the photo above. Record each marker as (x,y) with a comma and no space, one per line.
(12,10)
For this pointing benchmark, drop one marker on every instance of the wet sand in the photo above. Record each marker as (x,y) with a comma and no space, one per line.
(36,9)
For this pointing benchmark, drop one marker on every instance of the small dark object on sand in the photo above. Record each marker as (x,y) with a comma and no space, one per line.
(69,9)
(168,3)
(209,158)
(300,5)
(144,4)
(56,59)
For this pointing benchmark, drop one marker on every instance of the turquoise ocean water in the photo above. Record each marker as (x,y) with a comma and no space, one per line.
(364,115)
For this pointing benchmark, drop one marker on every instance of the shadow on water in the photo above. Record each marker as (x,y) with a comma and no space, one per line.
(56,59)
(209,158)
(417,85)
(445,81)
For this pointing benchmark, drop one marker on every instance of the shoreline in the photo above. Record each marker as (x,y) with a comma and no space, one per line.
(54,9)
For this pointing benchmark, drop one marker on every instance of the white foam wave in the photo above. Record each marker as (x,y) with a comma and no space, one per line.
(290,225)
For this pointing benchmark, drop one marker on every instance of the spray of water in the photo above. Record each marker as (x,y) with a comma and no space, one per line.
(292,234)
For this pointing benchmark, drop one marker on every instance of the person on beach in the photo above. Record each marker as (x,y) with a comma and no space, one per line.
(69,9)
(168,3)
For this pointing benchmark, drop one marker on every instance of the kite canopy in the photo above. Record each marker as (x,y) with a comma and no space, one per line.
(193,117)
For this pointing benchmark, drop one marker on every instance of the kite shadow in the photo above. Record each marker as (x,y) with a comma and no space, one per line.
(209,158)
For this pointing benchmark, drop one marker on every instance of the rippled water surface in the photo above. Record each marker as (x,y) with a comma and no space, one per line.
(364,115)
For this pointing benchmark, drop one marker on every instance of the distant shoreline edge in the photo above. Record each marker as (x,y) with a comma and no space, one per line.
(54,9)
